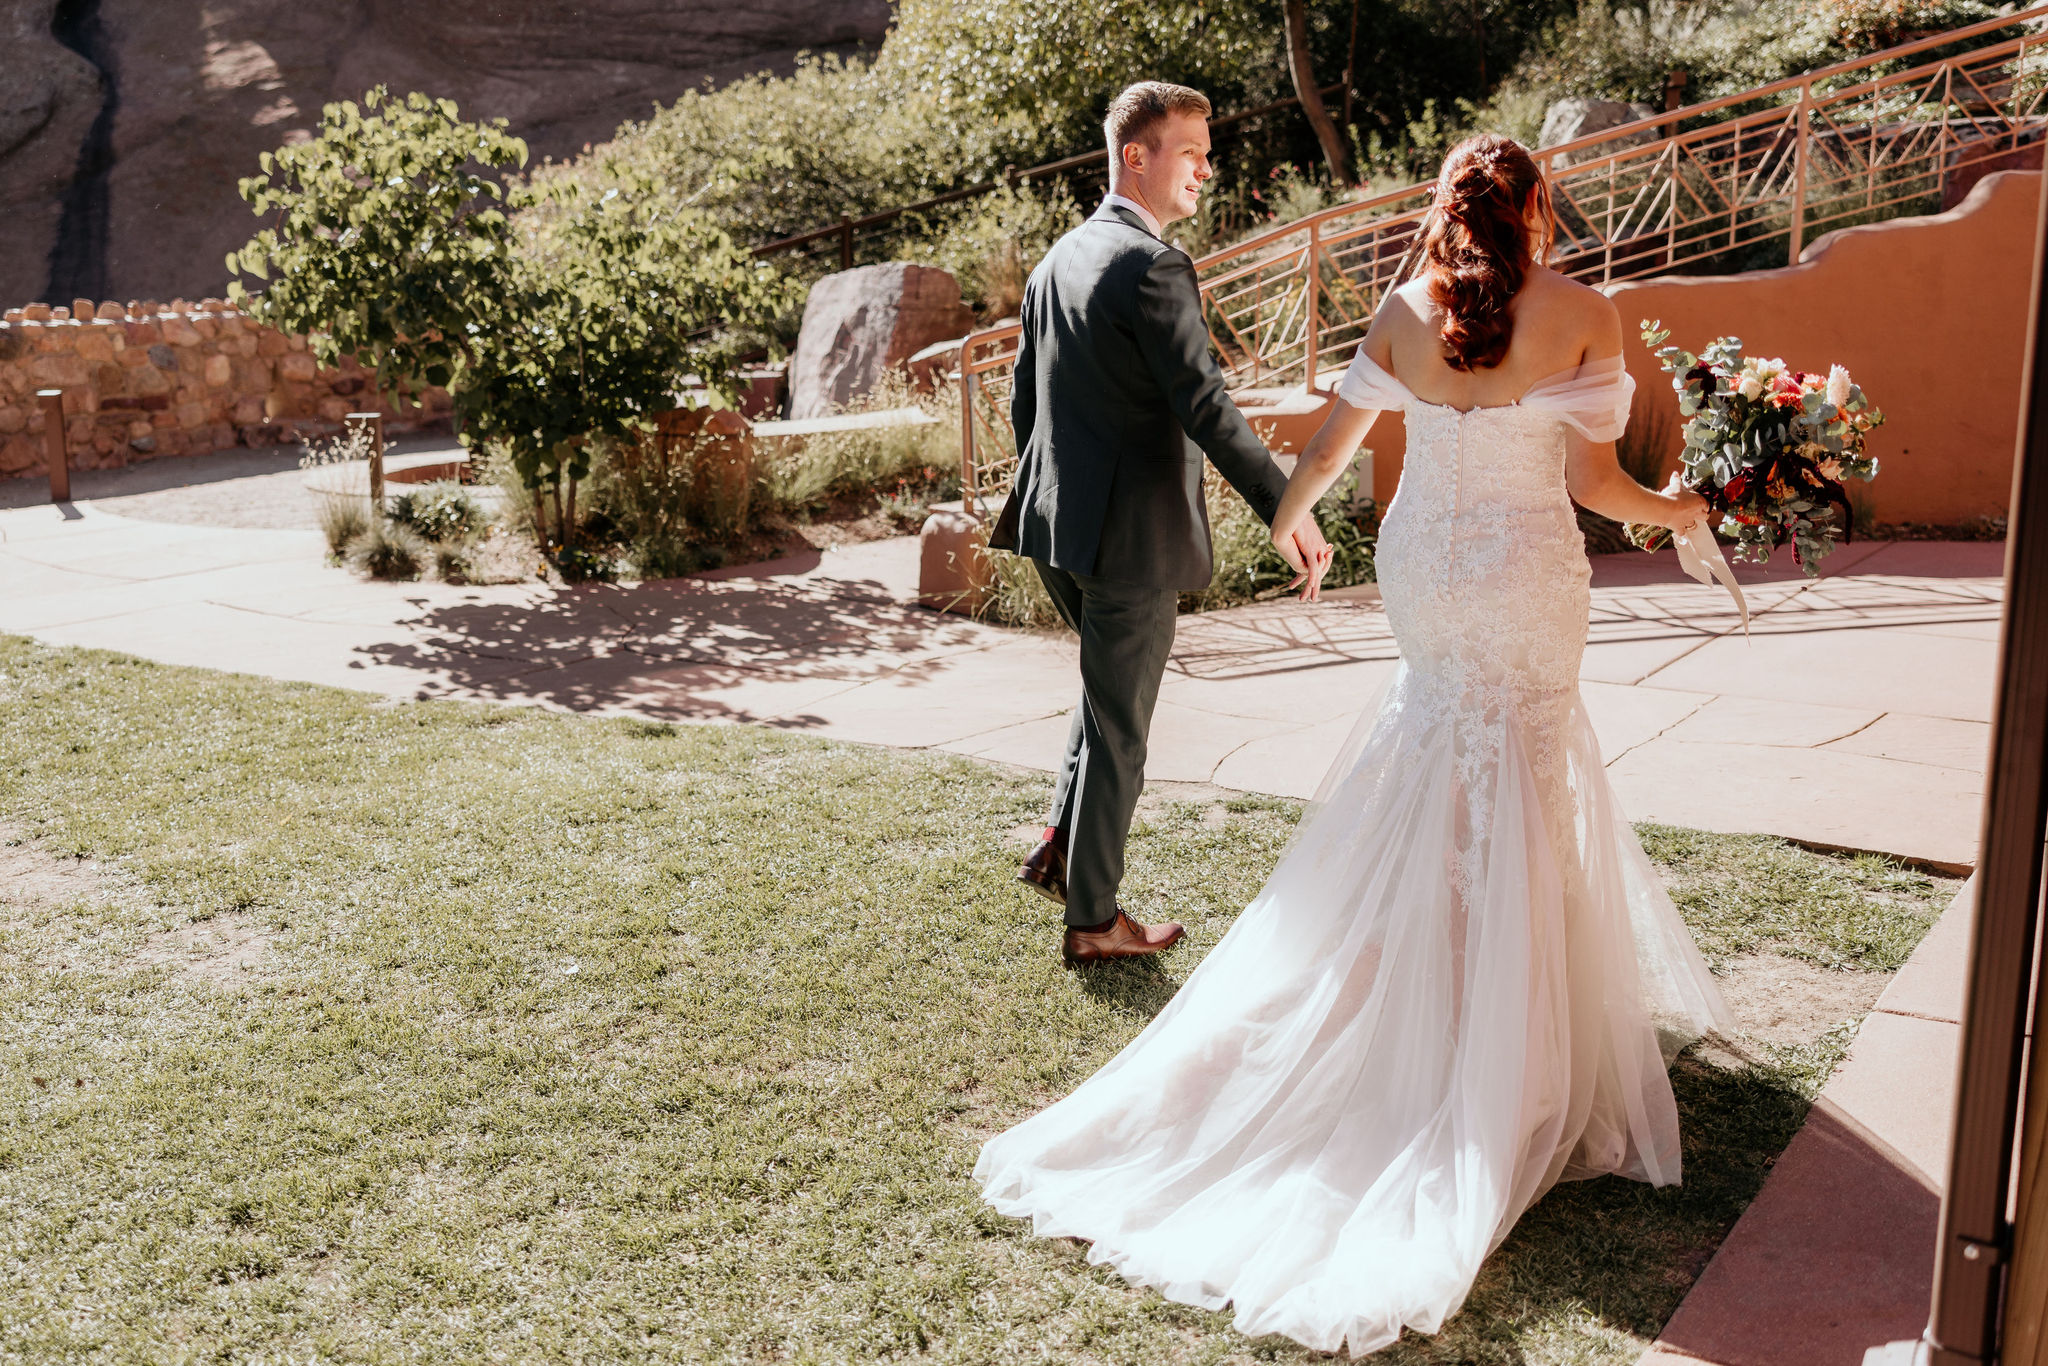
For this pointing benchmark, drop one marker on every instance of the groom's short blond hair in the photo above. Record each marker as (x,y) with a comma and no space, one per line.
(1135,115)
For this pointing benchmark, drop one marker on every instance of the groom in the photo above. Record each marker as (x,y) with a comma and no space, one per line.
(1117,400)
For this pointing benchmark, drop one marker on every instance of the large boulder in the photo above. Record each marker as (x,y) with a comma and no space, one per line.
(197,89)
(1581,116)
(860,324)
(50,98)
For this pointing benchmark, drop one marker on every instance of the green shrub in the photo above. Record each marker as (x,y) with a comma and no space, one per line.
(1616,50)
(646,499)
(1016,595)
(1247,565)
(584,563)
(440,511)
(963,88)
(343,517)
(386,550)
(991,243)
(423,258)
(801,474)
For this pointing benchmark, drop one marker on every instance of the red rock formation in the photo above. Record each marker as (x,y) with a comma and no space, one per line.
(861,324)
(203,86)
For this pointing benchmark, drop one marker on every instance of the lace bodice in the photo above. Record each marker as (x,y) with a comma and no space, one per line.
(1481,564)
(1498,460)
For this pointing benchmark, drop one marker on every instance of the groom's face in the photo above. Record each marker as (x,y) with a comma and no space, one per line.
(1170,165)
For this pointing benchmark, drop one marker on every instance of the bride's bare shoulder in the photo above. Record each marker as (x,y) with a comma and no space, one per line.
(1576,310)
(1561,291)
(1410,301)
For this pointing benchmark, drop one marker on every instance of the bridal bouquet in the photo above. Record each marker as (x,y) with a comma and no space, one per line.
(1768,447)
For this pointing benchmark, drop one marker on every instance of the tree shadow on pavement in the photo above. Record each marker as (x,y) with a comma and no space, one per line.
(752,650)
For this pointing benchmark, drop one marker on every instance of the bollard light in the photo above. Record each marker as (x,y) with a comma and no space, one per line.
(55,456)
(373,423)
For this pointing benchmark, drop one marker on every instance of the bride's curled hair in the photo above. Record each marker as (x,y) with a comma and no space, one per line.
(1477,244)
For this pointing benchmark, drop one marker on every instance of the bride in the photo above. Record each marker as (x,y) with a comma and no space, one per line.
(1462,983)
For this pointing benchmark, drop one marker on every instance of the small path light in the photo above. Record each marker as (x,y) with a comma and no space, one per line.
(374,424)
(55,456)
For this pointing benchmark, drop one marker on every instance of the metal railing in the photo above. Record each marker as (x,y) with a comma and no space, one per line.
(1717,183)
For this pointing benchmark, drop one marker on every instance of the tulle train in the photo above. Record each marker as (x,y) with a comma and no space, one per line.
(1385,1061)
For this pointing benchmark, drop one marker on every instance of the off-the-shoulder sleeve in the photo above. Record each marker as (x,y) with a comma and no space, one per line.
(1593,399)
(1367,385)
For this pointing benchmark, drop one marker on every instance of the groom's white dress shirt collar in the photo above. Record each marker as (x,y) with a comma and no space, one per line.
(1117,201)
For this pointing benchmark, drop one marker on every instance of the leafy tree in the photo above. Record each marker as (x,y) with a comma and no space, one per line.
(390,239)
(611,296)
(1039,72)
(559,311)
(1301,65)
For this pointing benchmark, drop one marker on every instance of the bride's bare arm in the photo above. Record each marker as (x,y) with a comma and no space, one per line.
(1598,482)
(1326,457)
(1592,473)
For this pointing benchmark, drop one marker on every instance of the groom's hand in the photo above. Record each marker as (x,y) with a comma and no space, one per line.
(1308,555)
(1315,556)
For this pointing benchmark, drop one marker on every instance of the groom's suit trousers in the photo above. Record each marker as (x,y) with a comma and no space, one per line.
(1126,632)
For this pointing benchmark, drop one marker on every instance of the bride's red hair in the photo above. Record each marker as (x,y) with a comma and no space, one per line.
(1477,245)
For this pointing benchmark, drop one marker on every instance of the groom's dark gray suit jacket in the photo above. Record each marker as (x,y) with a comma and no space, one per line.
(1117,398)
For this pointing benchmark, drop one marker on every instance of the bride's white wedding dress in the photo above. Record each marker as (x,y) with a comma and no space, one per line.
(1461,984)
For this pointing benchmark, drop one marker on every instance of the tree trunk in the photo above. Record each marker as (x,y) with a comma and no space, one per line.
(1335,153)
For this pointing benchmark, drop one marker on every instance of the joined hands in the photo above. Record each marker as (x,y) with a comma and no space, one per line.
(1308,555)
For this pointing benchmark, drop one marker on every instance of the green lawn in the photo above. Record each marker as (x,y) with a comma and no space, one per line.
(447,1033)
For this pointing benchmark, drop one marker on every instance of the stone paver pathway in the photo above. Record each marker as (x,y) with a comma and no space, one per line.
(1854,714)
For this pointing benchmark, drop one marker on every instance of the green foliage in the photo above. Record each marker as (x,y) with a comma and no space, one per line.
(959,91)
(847,143)
(1614,49)
(388,550)
(992,242)
(584,563)
(1247,565)
(389,241)
(440,511)
(800,474)
(392,243)
(645,502)
(1027,73)
(612,295)
(343,517)
(1016,596)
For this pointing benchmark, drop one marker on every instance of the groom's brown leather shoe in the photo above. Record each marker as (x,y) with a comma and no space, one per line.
(1045,871)
(1122,937)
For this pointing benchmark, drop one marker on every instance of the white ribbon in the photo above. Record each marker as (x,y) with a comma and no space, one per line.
(1700,556)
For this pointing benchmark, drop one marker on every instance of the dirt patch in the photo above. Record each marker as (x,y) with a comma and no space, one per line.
(38,888)
(35,885)
(30,876)
(223,951)
(1785,1000)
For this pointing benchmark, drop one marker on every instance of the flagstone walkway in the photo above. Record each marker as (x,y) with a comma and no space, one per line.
(1854,714)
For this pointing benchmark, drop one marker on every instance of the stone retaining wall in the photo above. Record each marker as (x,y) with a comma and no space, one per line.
(142,380)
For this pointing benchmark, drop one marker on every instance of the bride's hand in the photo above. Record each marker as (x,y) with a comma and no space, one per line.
(1687,507)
